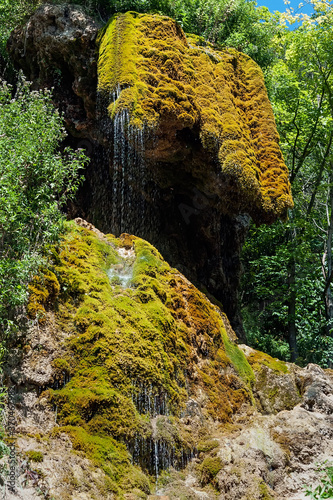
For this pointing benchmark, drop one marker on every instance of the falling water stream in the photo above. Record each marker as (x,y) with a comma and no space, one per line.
(128,171)
(121,273)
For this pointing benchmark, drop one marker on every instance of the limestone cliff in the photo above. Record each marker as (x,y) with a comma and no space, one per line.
(182,138)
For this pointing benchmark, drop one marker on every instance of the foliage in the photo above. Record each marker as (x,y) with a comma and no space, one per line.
(225,23)
(209,469)
(265,297)
(12,14)
(36,180)
(325,489)
(289,266)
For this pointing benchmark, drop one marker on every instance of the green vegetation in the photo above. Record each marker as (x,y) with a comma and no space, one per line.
(325,489)
(206,446)
(258,359)
(35,456)
(209,469)
(36,180)
(126,342)
(200,87)
(287,300)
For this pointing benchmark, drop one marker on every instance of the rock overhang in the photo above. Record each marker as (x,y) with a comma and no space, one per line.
(204,111)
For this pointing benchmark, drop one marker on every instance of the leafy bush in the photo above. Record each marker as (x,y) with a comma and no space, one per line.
(35,182)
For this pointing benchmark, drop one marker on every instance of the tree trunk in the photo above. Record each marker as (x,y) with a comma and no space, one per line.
(328,296)
(292,331)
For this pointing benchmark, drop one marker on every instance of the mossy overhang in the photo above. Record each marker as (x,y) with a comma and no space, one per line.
(172,85)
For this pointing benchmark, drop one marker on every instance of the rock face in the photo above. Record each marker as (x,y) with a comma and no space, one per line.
(57,49)
(131,353)
(129,372)
(182,138)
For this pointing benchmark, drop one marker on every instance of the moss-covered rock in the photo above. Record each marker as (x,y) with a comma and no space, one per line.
(43,291)
(169,82)
(276,384)
(136,353)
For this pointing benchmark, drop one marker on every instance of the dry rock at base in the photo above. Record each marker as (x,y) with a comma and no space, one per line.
(275,454)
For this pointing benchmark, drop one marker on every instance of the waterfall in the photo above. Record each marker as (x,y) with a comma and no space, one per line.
(163,448)
(125,152)
(132,195)
(155,454)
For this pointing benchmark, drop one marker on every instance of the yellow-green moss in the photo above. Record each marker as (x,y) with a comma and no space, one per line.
(170,82)
(125,342)
(264,492)
(258,358)
(206,446)
(43,291)
(209,469)
(35,456)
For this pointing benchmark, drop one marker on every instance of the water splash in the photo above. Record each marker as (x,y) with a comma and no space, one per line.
(121,274)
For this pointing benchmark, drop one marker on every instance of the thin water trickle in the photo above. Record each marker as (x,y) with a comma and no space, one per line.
(156,459)
(121,274)
(128,172)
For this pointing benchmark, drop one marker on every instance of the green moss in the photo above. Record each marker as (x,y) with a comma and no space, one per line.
(43,292)
(103,451)
(135,352)
(209,469)
(35,456)
(239,361)
(136,482)
(206,446)
(169,82)
(258,358)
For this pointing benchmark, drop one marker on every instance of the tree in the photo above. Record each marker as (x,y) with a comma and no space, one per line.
(300,87)
(35,181)
(11,15)
(224,23)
